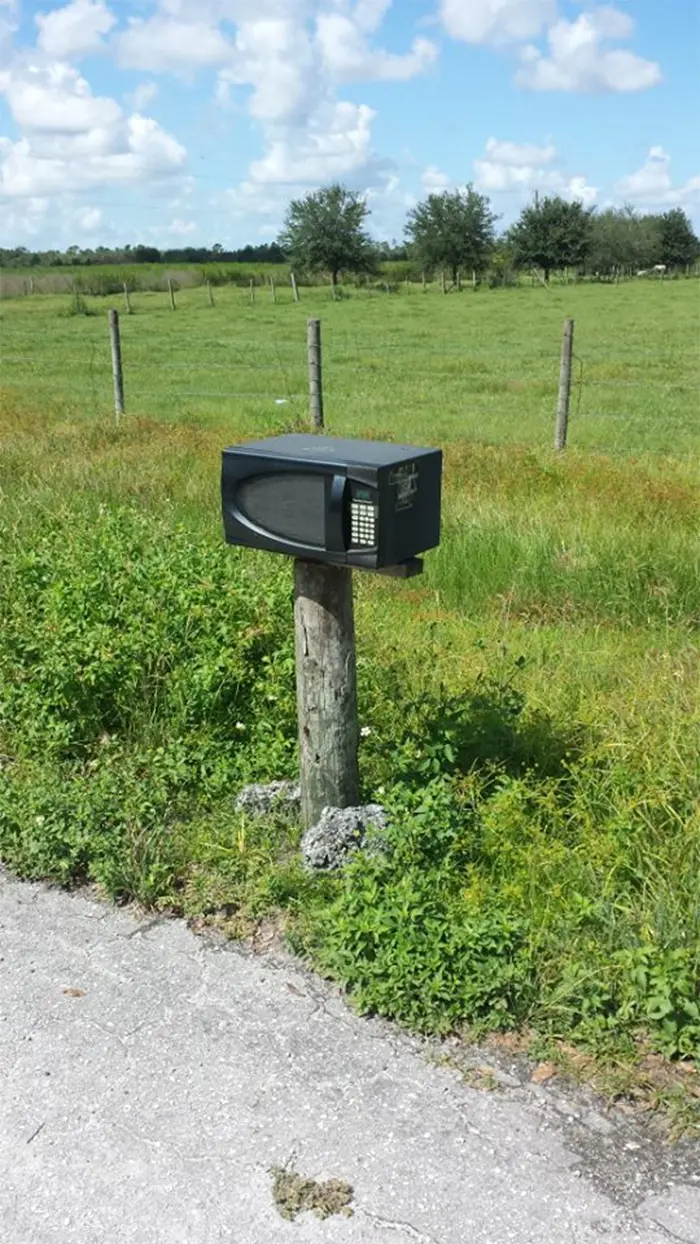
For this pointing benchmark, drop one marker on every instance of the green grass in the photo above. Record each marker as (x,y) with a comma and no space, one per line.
(478,366)
(533,703)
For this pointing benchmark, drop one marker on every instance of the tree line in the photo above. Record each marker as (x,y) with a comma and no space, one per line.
(76,256)
(452,232)
(455,232)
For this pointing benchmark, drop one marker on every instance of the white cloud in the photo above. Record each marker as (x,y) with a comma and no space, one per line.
(89,218)
(578,59)
(142,96)
(519,155)
(496,21)
(181,228)
(348,57)
(336,144)
(651,185)
(72,140)
(509,168)
(56,98)
(163,43)
(74,30)
(434,181)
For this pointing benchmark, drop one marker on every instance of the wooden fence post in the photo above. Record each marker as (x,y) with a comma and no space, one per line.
(171,291)
(326,678)
(295,291)
(117,374)
(252,289)
(313,344)
(443,283)
(127,300)
(422,277)
(210,294)
(562,423)
(273,291)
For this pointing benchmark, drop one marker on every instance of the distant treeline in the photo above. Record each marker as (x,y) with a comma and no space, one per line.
(76,256)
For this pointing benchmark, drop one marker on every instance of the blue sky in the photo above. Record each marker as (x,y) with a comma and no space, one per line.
(194,121)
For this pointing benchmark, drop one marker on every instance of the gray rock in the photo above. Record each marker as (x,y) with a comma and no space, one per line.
(261,798)
(340,832)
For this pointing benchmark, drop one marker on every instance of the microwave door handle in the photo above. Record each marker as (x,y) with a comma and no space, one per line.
(337,525)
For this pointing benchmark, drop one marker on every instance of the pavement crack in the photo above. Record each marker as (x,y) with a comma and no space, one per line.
(671,1235)
(144,928)
(393,1224)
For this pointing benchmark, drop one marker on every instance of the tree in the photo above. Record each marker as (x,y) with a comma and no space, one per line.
(622,239)
(677,241)
(552,233)
(454,229)
(324,232)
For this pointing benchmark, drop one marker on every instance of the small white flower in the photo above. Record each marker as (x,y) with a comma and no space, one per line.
(40,820)
(240,725)
(365,730)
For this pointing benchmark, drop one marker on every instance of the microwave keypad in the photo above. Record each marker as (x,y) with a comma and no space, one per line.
(363,523)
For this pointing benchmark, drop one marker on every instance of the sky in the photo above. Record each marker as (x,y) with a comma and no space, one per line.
(190,122)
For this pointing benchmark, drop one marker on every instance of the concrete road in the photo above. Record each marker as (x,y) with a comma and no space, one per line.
(149,1080)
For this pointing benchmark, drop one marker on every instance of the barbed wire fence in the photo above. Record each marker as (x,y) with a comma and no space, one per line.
(276,371)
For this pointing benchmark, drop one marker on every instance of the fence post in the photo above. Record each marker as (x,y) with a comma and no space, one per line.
(313,343)
(295,291)
(422,277)
(171,291)
(442,282)
(117,374)
(210,294)
(252,289)
(31,284)
(324,638)
(562,423)
(127,300)
(273,291)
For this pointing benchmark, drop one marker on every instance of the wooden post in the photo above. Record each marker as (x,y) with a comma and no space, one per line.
(326,688)
(473,278)
(422,277)
(562,423)
(117,374)
(210,294)
(31,284)
(127,300)
(273,291)
(252,289)
(458,281)
(313,343)
(443,283)
(171,291)
(408,286)
(295,291)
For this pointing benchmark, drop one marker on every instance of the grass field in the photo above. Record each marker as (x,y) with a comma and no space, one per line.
(532,704)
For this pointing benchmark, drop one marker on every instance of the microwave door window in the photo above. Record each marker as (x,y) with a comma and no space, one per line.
(290,505)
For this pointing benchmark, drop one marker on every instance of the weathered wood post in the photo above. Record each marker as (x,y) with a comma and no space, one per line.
(117,374)
(326,677)
(127,299)
(562,423)
(171,291)
(313,343)
(252,289)
(210,294)
(295,290)
(273,291)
